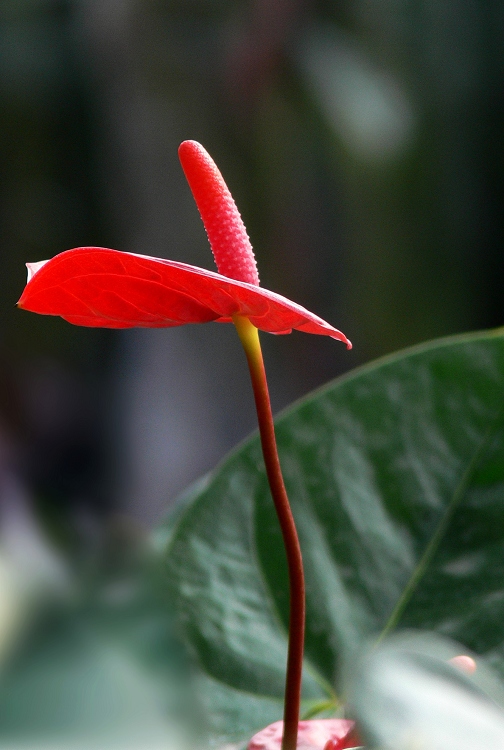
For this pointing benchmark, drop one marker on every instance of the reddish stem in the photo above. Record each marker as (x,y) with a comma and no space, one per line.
(249,337)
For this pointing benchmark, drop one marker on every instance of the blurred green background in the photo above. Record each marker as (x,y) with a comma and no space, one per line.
(363,142)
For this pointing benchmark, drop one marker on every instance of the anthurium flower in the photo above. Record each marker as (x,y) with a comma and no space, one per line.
(94,286)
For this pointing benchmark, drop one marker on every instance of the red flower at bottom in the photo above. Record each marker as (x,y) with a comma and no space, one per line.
(98,287)
(315,734)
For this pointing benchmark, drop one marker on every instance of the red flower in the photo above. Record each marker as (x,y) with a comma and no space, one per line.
(315,734)
(91,286)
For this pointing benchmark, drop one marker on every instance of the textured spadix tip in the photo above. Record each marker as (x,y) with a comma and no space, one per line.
(225,229)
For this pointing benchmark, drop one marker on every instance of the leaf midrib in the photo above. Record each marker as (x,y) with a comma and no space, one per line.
(442,526)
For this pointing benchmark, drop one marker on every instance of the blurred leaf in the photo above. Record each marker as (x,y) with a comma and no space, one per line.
(396,478)
(103,669)
(405,695)
(80,690)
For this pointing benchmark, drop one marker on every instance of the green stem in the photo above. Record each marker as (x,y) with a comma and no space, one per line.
(249,337)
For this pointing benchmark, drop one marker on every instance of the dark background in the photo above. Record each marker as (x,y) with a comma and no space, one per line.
(363,142)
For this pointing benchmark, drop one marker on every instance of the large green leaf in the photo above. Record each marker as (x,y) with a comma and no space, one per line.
(396,478)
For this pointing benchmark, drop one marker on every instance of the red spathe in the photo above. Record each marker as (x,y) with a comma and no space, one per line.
(99,287)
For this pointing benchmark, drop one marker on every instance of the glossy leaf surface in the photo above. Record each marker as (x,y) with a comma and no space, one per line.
(98,287)
(396,477)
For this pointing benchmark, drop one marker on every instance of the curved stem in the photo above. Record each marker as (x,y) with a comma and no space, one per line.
(249,337)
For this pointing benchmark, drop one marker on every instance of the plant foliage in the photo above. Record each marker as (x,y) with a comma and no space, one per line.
(396,477)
